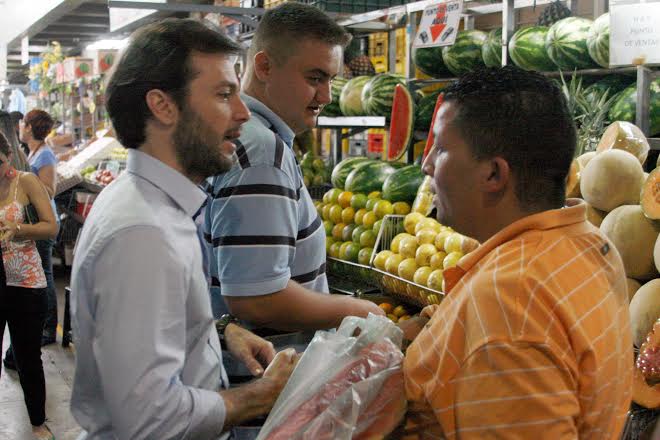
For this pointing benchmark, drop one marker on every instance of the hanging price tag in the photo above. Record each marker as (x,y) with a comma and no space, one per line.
(439,24)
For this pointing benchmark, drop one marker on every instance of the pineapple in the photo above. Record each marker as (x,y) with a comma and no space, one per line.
(357,61)
(554,12)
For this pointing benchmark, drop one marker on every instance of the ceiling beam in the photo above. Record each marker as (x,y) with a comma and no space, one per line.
(58,12)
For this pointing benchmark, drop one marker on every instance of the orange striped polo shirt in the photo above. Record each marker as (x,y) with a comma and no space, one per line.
(532,341)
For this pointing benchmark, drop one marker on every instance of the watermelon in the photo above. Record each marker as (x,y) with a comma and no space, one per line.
(429,61)
(624,108)
(341,171)
(491,51)
(612,84)
(368,177)
(333,109)
(527,49)
(424,111)
(402,185)
(378,93)
(566,43)
(465,54)
(598,41)
(401,126)
(350,100)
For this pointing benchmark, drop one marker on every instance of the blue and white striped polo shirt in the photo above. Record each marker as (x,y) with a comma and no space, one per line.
(260,217)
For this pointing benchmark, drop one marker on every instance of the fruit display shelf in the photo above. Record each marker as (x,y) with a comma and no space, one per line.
(356,273)
(393,285)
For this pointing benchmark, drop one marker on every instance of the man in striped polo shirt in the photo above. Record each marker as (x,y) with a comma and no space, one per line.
(533,337)
(268,259)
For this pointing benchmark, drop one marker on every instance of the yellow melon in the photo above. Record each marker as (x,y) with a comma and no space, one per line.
(656,254)
(649,198)
(595,216)
(634,236)
(611,179)
(625,136)
(633,287)
(644,311)
(584,159)
(573,180)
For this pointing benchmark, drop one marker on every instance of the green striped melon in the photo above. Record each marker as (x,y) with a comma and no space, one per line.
(424,111)
(333,109)
(402,185)
(527,49)
(341,171)
(612,84)
(378,93)
(566,43)
(465,54)
(350,100)
(624,108)
(598,40)
(491,51)
(368,177)
(429,61)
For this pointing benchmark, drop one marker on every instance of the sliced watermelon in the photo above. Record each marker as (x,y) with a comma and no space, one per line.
(401,125)
(431,137)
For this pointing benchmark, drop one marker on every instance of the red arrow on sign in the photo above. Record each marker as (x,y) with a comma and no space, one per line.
(439,22)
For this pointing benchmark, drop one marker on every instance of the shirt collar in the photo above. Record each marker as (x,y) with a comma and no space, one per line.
(182,190)
(575,211)
(269,118)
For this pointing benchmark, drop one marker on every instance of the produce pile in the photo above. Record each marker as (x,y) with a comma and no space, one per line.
(315,171)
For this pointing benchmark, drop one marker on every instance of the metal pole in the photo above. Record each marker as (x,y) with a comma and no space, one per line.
(391,50)
(642,115)
(336,153)
(508,28)
(412,32)
(600,7)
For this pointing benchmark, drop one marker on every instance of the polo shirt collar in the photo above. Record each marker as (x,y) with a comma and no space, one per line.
(178,187)
(575,211)
(269,118)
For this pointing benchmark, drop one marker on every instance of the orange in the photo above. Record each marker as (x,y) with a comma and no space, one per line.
(440,240)
(399,311)
(358,201)
(334,195)
(335,214)
(347,232)
(343,248)
(426,235)
(383,208)
(387,307)
(377,226)
(374,195)
(344,199)
(359,215)
(329,241)
(401,208)
(352,252)
(355,236)
(328,225)
(347,215)
(365,255)
(369,219)
(411,220)
(427,223)
(451,259)
(370,204)
(368,238)
(325,214)
(337,231)
(334,249)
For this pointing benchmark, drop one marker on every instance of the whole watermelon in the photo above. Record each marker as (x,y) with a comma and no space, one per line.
(333,109)
(598,41)
(465,54)
(350,100)
(566,43)
(612,84)
(527,49)
(402,185)
(368,177)
(491,51)
(429,61)
(624,108)
(341,171)
(378,93)
(424,111)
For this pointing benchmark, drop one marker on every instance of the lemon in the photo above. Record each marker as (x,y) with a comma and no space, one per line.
(424,253)
(369,219)
(383,208)
(440,240)
(451,259)
(394,245)
(453,243)
(427,223)
(374,195)
(392,264)
(411,220)
(381,258)
(422,275)
(435,279)
(426,235)
(408,247)
(407,268)
(437,260)
(401,208)
(368,238)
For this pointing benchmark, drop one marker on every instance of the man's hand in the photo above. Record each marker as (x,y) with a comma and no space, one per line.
(255,352)
(279,371)
(362,308)
(411,328)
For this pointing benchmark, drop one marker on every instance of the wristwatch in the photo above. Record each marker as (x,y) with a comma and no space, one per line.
(222,323)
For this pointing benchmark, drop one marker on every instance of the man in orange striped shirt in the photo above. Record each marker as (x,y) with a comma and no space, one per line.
(532,340)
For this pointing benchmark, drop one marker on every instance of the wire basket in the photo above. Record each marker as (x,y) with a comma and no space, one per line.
(400,288)
(353,272)
(317,192)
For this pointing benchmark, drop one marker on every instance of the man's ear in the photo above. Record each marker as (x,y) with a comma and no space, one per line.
(263,65)
(495,175)
(162,107)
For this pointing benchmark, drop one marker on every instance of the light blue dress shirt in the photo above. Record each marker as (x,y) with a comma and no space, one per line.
(148,358)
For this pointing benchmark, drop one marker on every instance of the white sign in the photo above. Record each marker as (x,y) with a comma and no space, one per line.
(634,34)
(122,17)
(25,50)
(439,24)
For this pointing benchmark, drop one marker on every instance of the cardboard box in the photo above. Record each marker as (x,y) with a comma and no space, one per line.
(77,67)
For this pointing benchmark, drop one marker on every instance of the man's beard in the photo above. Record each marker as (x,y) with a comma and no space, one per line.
(198,147)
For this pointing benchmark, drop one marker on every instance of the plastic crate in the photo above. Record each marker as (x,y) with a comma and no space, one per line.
(317,192)
(393,285)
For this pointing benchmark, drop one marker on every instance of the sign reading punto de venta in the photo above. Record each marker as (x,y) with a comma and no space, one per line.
(634,32)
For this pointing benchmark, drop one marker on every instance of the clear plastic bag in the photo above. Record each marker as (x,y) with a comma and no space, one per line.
(347,385)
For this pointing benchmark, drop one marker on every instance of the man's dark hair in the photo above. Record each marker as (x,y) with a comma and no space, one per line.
(522,117)
(281,28)
(158,56)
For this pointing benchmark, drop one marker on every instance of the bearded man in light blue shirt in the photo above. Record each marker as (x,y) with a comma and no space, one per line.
(148,358)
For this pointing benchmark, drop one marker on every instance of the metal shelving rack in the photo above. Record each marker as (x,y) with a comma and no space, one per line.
(355,124)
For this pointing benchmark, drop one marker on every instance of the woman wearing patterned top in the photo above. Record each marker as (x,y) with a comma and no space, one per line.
(22,279)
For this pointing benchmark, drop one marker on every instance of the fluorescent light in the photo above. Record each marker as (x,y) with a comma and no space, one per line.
(107,44)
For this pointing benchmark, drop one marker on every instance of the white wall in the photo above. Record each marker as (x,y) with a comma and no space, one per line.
(16,16)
